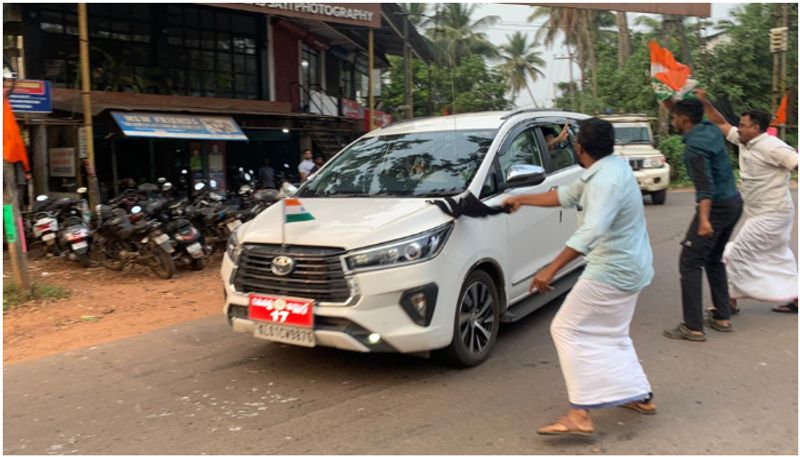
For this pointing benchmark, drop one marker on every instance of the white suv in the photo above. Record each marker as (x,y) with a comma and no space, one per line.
(633,140)
(380,268)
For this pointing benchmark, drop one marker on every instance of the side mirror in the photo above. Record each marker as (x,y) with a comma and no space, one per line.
(167,186)
(82,190)
(136,209)
(525,175)
(199,186)
(41,198)
(288,189)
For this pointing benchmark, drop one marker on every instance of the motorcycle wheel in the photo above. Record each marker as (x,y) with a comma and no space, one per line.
(101,253)
(83,260)
(161,263)
(198,264)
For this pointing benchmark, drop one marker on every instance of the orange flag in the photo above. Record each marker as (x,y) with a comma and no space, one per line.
(13,146)
(780,115)
(666,69)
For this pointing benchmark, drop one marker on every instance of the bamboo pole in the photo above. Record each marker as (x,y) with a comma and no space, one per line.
(11,218)
(86,90)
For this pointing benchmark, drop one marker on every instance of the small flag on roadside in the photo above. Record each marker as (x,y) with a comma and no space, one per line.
(671,79)
(295,211)
(780,114)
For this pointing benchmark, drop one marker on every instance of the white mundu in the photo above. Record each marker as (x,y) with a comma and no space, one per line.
(759,261)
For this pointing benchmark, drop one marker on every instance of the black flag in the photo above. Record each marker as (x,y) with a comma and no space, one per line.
(469,206)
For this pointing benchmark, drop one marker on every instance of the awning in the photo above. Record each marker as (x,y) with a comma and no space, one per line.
(161,125)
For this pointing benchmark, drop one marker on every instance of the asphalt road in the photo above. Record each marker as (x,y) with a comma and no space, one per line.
(198,388)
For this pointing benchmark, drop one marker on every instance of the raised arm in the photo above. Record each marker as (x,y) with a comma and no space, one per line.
(712,114)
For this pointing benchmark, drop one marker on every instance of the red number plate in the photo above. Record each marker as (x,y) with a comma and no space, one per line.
(281,310)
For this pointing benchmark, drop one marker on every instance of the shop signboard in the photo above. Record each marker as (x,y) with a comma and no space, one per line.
(62,162)
(29,95)
(165,125)
(352,109)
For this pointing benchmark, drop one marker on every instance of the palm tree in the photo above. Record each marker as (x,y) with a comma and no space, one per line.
(456,35)
(624,46)
(520,61)
(580,28)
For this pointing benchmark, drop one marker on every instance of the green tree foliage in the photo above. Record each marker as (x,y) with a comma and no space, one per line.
(467,87)
(520,61)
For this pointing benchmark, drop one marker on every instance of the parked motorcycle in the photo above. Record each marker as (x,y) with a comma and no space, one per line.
(121,239)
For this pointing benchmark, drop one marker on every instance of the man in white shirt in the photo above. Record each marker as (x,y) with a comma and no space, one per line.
(306,165)
(759,261)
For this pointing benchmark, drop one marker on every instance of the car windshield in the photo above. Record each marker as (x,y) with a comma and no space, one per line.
(424,164)
(631,135)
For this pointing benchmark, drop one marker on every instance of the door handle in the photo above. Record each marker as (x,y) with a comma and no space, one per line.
(560,216)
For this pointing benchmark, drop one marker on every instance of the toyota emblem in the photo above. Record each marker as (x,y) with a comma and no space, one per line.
(282,265)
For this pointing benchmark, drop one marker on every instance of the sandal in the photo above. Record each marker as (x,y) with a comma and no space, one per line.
(682,332)
(734,310)
(789,308)
(645,406)
(713,323)
(565,426)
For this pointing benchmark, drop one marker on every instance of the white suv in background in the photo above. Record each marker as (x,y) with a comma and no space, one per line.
(380,268)
(634,141)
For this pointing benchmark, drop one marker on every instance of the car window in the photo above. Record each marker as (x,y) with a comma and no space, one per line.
(521,150)
(491,186)
(420,164)
(560,153)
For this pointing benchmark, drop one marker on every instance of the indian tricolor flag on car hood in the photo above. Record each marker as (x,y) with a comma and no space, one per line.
(295,211)
(671,79)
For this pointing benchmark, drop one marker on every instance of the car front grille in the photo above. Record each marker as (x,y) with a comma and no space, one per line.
(317,274)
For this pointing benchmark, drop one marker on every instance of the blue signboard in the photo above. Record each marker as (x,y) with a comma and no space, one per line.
(29,96)
(165,125)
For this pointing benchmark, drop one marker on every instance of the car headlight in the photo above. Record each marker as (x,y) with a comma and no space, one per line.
(233,246)
(406,251)
(653,162)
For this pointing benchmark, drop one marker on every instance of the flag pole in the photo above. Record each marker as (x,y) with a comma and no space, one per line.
(283,222)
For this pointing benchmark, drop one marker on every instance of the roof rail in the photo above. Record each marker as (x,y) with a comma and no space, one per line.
(533,110)
(404,121)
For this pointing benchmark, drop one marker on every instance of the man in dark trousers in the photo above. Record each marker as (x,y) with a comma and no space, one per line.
(718,209)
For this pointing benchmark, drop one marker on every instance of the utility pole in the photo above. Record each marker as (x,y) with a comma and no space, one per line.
(86,90)
(370,82)
(572,86)
(408,72)
(778,46)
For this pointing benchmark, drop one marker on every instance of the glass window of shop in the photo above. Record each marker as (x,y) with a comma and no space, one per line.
(204,51)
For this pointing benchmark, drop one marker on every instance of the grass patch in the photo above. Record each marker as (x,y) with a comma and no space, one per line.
(14,296)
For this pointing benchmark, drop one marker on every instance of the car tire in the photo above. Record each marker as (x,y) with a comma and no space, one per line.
(659,197)
(478,307)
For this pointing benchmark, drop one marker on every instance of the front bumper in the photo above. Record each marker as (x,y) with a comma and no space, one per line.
(653,179)
(374,307)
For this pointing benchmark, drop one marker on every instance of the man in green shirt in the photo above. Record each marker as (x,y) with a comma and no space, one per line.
(719,207)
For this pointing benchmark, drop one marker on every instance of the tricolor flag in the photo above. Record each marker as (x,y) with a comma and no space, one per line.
(671,79)
(294,211)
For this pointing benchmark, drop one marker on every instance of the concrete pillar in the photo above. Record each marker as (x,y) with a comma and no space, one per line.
(40,164)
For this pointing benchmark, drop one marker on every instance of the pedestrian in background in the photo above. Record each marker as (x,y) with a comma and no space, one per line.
(719,207)
(306,165)
(319,161)
(266,175)
(591,329)
(759,261)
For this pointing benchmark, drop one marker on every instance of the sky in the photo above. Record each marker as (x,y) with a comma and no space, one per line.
(514,17)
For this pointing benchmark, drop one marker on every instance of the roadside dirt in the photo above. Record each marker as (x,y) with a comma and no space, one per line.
(104,305)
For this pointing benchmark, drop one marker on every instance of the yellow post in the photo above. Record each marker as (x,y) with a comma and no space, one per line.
(86,90)
(370,96)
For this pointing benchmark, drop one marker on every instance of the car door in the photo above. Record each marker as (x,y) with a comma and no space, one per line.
(531,230)
(561,164)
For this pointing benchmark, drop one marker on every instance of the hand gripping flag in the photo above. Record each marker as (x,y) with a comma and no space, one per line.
(671,79)
(295,211)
